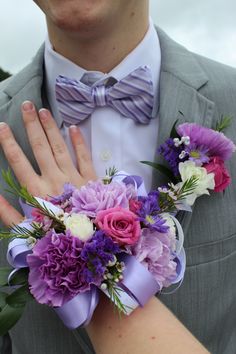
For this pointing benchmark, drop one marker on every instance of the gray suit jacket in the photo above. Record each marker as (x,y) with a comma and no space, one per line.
(203,90)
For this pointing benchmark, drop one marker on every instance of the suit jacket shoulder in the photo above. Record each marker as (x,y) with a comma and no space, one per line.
(20,84)
(221,86)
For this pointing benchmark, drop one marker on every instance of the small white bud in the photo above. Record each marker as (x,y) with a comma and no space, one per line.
(182,155)
(31,241)
(186,140)
(112,263)
(177,142)
(103,286)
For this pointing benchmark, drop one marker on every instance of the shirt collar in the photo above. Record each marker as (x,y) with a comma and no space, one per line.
(147,53)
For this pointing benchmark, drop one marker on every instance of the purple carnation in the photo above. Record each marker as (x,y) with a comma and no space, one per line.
(56,269)
(215,142)
(154,251)
(97,253)
(96,196)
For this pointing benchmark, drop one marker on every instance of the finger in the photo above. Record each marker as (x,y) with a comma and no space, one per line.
(15,156)
(83,155)
(38,139)
(9,215)
(58,146)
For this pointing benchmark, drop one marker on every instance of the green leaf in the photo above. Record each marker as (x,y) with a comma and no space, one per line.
(224,123)
(161,168)
(4,273)
(20,277)
(2,300)
(173,133)
(19,297)
(8,318)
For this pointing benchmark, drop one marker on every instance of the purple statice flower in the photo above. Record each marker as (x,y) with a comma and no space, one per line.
(215,142)
(64,199)
(198,154)
(97,253)
(154,251)
(56,269)
(96,196)
(171,154)
(148,212)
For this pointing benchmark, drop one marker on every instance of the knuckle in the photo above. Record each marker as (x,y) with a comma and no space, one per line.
(58,149)
(13,154)
(34,187)
(84,156)
(37,144)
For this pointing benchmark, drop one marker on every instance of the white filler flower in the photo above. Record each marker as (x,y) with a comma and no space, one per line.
(205,181)
(80,226)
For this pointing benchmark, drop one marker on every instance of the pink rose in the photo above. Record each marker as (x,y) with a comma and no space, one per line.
(120,224)
(222,177)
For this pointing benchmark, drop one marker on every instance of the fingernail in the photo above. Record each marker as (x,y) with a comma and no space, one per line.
(3,126)
(43,113)
(27,106)
(73,128)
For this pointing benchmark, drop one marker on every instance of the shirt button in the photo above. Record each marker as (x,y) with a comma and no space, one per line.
(105,155)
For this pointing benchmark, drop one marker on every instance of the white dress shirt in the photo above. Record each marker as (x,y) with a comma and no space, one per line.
(113,139)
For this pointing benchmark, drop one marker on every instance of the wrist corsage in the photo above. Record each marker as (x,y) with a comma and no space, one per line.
(110,235)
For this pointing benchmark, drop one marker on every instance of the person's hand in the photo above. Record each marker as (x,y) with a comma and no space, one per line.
(51,153)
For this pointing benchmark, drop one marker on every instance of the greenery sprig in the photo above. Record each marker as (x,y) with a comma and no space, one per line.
(22,192)
(223,123)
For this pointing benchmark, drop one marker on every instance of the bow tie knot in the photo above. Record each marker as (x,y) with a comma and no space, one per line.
(132,97)
(99,95)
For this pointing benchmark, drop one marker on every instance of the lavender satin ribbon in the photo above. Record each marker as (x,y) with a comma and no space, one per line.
(27,209)
(19,248)
(137,286)
(136,181)
(78,311)
(138,281)
(17,252)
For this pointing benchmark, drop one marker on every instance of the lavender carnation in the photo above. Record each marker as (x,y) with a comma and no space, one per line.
(154,251)
(96,196)
(216,143)
(56,269)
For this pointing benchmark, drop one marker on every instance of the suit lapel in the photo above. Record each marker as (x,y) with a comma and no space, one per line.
(25,86)
(181,81)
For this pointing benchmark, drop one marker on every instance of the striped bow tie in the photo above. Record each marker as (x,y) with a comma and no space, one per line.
(131,96)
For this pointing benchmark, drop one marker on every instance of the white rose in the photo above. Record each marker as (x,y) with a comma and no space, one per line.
(205,181)
(80,226)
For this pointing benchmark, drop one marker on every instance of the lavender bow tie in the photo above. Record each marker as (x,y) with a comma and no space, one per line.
(131,96)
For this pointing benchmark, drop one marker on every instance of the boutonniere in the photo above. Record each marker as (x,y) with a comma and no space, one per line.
(110,235)
(197,154)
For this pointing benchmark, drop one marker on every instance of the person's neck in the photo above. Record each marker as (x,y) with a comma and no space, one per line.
(103,51)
